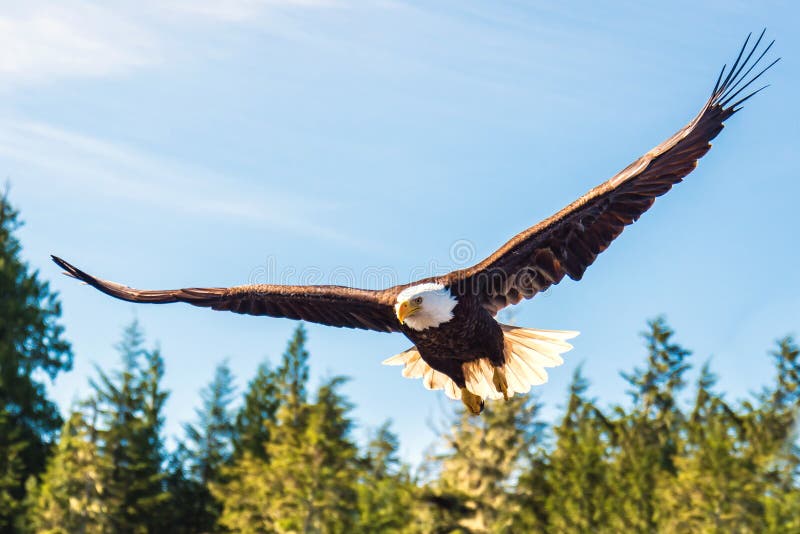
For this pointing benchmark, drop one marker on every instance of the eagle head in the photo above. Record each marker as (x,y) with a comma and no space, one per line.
(425,306)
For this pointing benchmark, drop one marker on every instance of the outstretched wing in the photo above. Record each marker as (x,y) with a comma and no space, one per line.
(569,241)
(328,305)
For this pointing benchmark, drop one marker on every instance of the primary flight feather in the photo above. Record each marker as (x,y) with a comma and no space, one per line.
(458,345)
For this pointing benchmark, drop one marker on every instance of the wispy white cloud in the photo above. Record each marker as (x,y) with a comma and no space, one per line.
(43,41)
(96,168)
(239,11)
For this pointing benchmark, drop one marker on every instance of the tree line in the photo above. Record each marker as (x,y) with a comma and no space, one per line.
(281,456)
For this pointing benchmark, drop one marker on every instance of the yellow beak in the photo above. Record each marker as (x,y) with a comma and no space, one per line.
(406,309)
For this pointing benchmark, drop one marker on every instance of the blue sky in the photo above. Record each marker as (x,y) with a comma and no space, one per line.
(192,143)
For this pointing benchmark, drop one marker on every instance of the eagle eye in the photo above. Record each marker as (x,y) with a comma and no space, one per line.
(417,300)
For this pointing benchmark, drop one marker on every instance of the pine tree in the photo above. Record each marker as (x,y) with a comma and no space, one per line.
(307,481)
(248,488)
(293,380)
(578,477)
(772,432)
(154,498)
(245,495)
(646,437)
(715,488)
(311,473)
(386,492)
(210,444)
(485,456)
(70,496)
(257,414)
(31,346)
(332,455)
(12,470)
(131,403)
(533,488)
(187,510)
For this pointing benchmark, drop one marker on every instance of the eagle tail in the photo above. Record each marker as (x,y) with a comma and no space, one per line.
(528,353)
(416,367)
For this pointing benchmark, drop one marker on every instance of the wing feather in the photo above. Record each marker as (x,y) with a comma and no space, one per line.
(567,243)
(329,305)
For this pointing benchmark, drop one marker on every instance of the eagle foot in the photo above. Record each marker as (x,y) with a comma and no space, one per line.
(500,382)
(473,402)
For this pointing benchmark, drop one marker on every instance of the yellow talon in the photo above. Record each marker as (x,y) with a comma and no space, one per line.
(473,402)
(500,382)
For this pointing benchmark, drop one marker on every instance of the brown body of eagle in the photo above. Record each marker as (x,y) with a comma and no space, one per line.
(458,352)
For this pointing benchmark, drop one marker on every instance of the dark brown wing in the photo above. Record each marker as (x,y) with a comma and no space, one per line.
(328,305)
(569,241)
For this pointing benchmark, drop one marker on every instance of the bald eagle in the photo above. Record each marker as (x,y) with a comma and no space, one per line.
(459,347)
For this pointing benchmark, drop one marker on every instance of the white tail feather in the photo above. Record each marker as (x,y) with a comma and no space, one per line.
(527,351)
(402,358)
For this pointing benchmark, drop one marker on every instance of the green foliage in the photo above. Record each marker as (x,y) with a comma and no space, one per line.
(257,415)
(130,404)
(312,467)
(210,445)
(715,486)
(386,491)
(71,495)
(645,440)
(772,435)
(306,480)
(578,476)
(211,441)
(189,498)
(480,468)
(293,382)
(31,346)
(286,461)
(12,470)
(646,467)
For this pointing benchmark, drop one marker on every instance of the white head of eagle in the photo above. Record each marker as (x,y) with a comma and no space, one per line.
(425,306)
